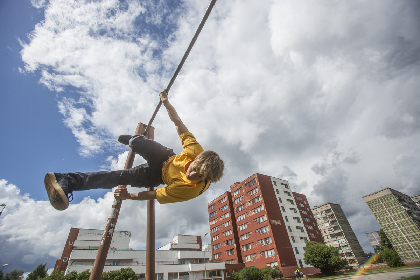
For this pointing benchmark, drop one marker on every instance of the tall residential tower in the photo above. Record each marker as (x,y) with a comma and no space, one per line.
(399,217)
(337,232)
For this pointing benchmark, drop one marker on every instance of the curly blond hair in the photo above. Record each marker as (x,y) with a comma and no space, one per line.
(210,165)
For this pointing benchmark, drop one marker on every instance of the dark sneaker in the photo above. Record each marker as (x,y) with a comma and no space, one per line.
(56,194)
(124,139)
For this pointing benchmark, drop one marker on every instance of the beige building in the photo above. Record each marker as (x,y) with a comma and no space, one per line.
(337,232)
(416,199)
(399,217)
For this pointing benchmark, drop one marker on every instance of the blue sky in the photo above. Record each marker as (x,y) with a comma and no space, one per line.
(323,94)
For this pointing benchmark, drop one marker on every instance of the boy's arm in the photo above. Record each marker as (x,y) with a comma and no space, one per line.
(122,193)
(180,127)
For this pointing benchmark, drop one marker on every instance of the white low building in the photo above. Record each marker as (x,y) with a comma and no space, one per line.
(181,259)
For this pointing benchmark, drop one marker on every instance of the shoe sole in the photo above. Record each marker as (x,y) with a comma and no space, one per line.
(58,198)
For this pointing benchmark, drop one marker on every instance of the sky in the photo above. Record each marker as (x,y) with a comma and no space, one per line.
(324,94)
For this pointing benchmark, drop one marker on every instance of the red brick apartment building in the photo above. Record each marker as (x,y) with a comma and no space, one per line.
(261,222)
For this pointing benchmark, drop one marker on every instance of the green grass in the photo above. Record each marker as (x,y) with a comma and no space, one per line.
(374,271)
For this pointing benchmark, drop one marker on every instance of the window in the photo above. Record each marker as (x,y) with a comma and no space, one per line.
(260,219)
(212,222)
(216,246)
(223,208)
(239,199)
(300,263)
(211,207)
(277,191)
(298,198)
(286,219)
(289,228)
(258,209)
(297,219)
(255,200)
(296,250)
(263,230)
(245,236)
(226,215)
(273,264)
(274,183)
(265,241)
(253,191)
(227,233)
(70,242)
(241,217)
(223,200)
(214,229)
(268,253)
(300,228)
(214,238)
(226,224)
(291,201)
(280,200)
(247,247)
(304,212)
(65,259)
(282,208)
(250,183)
(213,213)
(216,256)
(309,227)
(230,252)
(304,239)
(293,209)
(240,208)
(243,226)
(288,193)
(228,242)
(293,239)
(249,258)
(235,193)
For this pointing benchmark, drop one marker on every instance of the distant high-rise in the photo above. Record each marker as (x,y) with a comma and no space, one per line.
(374,239)
(261,222)
(416,199)
(337,232)
(399,217)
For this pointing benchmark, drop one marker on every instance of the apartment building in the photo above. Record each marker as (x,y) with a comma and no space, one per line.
(180,259)
(399,217)
(374,239)
(416,199)
(337,232)
(223,230)
(260,223)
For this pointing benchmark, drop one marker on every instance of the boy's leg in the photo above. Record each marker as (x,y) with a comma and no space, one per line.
(60,186)
(150,150)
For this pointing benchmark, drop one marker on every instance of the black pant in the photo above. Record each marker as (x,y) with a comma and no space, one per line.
(145,175)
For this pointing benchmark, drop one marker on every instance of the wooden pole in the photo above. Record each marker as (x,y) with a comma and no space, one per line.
(98,265)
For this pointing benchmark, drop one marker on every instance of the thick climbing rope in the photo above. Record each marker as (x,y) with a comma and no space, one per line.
(197,32)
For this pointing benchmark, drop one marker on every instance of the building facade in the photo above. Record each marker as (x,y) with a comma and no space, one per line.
(374,239)
(416,199)
(260,223)
(180,259)
(337,232)
(399,217)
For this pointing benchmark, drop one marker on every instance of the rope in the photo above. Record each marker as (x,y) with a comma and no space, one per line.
(197,32)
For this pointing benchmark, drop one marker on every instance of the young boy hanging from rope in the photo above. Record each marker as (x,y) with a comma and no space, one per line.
(186,175)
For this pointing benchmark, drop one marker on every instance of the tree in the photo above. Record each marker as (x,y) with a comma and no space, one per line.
(271,272)
(38,273)
(122,274)
(323,257)
(391,257)
(248,273)
(13,275)
(385,242)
